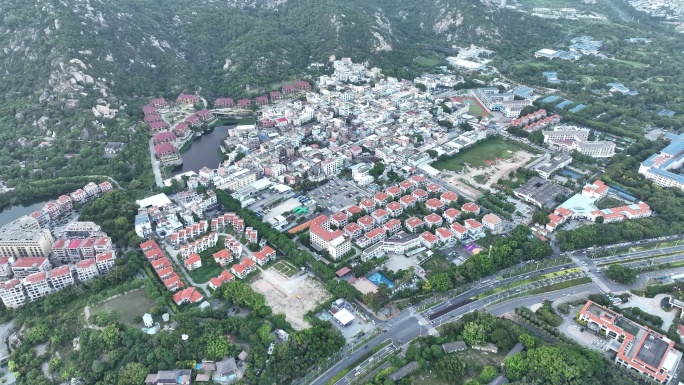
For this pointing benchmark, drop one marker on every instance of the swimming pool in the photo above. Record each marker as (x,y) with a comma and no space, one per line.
(379,278)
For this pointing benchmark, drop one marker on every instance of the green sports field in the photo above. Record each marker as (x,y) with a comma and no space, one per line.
(487,149)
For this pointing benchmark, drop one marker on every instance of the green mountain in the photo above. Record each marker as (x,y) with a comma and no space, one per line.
(62,58)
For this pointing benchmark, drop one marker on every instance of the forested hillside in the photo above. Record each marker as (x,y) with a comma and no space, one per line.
(59,59)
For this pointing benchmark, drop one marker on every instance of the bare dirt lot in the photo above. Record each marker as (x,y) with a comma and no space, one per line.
(491,174)
(292,297)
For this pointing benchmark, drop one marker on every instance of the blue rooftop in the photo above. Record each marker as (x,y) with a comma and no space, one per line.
(676,147)
(577,108)
(564,103)
(668,175)
(550,99)
(666,112)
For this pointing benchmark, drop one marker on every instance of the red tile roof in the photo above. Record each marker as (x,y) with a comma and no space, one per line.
(470,207)
(433,218)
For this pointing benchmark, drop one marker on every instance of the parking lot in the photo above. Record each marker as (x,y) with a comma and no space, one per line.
(337,194)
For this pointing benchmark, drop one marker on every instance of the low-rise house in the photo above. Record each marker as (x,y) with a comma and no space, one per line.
(339,219)
(225,277)
(420,195)
(434,204)
(470,208)
(223,257)
(413,224)
(187,99)
(434,188)
(395,209)
(173,282)
(380,216)
(407,201)
(428,239)
(448,196)
(105,262)
(243,268)
(394,192)
(404,371)
(372,237)
(170,377)
(445,235)
(492,222)
(451,215)
(264,255)
(187,295)
(460,231)
(392,226)
(367,223)
(194,261)
(368,205)
(456,346)
(353,230)
(433,220)
(381,199)
(474,227)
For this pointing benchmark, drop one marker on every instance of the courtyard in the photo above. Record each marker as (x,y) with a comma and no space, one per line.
(293,297)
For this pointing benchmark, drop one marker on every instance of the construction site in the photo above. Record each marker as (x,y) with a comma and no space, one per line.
(293,297)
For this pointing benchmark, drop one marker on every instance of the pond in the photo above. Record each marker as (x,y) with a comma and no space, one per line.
(11,213)
(204,151)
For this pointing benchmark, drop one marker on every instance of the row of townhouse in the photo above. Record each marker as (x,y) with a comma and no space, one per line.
(42,280)
(528,119)
(189,233)
(161,265)
(455,232)
(198,246)
(73,250)
(228,219)
(64,204)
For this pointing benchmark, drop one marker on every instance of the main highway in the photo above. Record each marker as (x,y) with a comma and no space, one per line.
(411,323)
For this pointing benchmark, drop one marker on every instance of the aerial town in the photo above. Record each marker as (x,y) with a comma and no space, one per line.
(385,182)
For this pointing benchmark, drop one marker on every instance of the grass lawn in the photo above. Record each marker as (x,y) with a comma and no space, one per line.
(431,61)
(632,63)
(209,270)
(487,149)
(128,306)
(437,264)
(285,268)
(475,107)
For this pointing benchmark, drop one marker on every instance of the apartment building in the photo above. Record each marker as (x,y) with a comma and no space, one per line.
(12,293)
(37,286)
(26,266)
(61,277)
(325,239)
(87,270)
(23,237)
(636,347)
(105,262)
(658,166)
(576,139)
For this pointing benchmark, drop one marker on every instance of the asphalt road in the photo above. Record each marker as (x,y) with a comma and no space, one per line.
(410,324)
